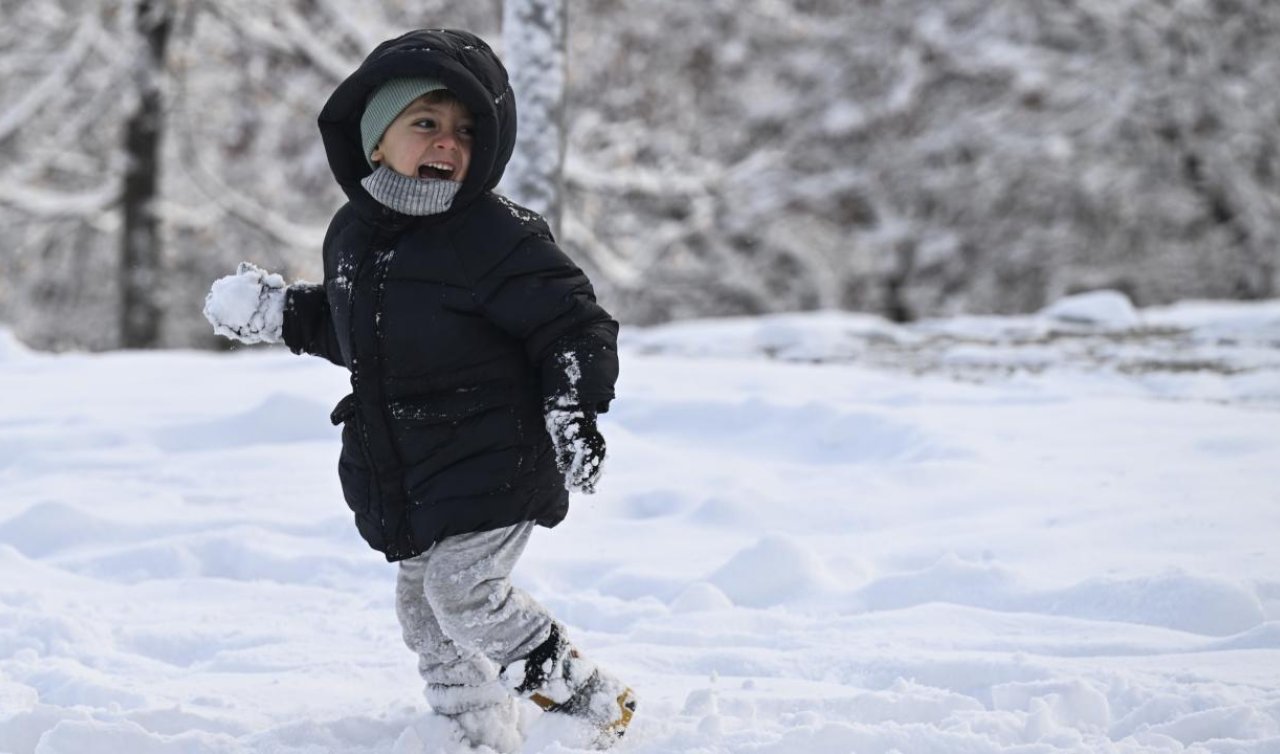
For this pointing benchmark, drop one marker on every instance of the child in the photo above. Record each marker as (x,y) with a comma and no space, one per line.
(479,360)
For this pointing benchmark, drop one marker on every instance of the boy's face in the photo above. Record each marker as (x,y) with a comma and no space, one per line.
(428,140)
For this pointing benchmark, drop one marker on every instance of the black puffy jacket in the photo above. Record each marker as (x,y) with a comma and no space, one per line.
(453,326)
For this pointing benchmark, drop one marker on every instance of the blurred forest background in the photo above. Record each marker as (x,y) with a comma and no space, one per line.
(910,158)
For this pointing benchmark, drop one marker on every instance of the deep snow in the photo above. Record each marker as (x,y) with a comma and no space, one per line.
(815,534)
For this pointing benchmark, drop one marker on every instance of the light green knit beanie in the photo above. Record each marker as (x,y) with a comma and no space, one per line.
(386,103)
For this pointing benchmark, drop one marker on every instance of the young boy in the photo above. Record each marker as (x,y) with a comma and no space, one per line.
(479,360)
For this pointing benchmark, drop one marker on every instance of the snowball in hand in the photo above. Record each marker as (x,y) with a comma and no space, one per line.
(247,306)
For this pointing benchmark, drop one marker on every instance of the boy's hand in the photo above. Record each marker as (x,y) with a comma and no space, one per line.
(247,306)
(579,446)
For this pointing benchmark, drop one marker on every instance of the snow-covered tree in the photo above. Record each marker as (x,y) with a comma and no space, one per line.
(918,158)
(242,174)
(534,47)
(65,91)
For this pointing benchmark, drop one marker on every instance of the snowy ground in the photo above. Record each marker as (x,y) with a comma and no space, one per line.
(817,534)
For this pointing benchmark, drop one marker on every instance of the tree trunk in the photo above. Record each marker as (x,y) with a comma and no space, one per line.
(533,35)
(141,259)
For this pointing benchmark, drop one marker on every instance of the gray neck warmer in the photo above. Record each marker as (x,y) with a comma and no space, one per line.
(410,196)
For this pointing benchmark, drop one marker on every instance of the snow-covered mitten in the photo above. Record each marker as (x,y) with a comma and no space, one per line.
(558,679)
(247,306)
(579,445)
(484,715)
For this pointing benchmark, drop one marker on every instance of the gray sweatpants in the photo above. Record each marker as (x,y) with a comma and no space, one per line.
(464,619)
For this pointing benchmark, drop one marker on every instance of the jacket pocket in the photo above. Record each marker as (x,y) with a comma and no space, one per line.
(354,470)
(344,411)
(449,406)
(462,444)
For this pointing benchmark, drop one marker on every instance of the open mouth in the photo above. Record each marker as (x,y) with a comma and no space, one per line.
(439,170)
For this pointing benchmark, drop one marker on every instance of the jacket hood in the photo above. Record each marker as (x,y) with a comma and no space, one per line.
(460,60)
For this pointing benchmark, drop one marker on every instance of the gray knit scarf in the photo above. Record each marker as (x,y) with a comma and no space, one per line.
(410,196)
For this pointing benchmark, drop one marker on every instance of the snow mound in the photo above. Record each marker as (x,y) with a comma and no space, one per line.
(278,419)
(11,349)
(1176,600)
(1076,703)
(773,571)
(809,433)
(1107,309)
(76,737)
(1253,321)
(951,579)
(50,527)
(1265,636)
(810,336)
(1181,601)
(700,596)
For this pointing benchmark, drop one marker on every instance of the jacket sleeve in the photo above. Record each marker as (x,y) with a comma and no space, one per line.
(308,326)
(539,296)
(308,321)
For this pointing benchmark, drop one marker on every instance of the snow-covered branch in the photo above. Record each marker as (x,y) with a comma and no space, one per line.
(282,230)
(635,179)
(49,204)
(51,83)
(283,29)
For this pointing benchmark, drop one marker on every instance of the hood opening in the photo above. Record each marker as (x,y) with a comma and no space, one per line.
(464,64)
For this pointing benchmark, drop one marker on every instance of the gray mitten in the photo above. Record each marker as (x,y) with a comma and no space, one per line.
(247,306)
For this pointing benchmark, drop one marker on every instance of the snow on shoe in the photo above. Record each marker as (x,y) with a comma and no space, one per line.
(483,715)
(559,680)
(606,704)
(494,726)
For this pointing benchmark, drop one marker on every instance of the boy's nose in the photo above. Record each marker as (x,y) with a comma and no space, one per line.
(446,142)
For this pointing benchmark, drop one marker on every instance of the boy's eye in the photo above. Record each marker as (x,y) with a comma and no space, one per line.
(467,130)
(425,123)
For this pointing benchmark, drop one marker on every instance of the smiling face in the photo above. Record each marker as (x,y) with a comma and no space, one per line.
(431,138)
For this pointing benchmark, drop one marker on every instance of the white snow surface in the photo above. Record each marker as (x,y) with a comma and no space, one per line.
(817,534)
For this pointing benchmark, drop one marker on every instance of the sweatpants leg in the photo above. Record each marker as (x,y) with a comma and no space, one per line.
(465,620)
(461,683)
(467,584)
(457,678)
(459,612)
